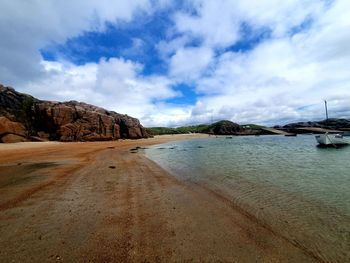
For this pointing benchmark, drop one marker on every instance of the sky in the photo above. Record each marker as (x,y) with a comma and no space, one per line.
(174,63)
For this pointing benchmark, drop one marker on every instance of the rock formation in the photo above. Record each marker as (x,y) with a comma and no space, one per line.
(333,123)
(11,131)
(224,128)
(23,117)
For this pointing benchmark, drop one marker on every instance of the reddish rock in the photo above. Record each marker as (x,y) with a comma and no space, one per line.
(67,121)
(12,138)
(7,126)
(75,121)
(11,131)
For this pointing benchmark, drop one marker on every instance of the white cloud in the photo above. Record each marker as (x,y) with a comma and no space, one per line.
(188,64)
(280,16)
(217,22)
(27,26)
(283,78)
(115,84)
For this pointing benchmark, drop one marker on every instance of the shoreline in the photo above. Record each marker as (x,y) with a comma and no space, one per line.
(97,201)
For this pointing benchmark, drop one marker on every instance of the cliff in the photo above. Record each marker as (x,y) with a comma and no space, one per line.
(25,118)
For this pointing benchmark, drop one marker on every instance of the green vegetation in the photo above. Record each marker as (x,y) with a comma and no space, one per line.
(252,126)
(24,113)
(28,103)
(180,130)
(202,128)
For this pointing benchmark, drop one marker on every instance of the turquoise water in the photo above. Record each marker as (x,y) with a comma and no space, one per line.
(300,191)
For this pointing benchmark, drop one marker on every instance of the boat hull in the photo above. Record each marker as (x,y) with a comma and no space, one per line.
(331,139)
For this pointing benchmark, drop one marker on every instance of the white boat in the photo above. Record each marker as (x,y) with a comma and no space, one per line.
(331,139)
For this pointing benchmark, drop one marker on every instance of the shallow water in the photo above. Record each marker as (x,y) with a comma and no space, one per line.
(299,191)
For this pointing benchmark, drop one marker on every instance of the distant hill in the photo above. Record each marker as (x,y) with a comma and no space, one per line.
(223,127)
(226,127)
(25,118)
(331,124)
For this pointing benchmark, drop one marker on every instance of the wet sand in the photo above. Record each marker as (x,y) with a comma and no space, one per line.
(100,202)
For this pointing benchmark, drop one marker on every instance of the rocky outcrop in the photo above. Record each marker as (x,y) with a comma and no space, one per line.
(30,118)
(334,124)
(224,128)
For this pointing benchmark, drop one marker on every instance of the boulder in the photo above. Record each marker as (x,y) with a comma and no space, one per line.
(12,138)
(11,131)
(7,126)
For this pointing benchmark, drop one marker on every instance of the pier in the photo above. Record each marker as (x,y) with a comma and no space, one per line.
(318,130)
(290,132)
(276,131)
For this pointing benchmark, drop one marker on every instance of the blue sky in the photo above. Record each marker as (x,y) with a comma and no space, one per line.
(172,63)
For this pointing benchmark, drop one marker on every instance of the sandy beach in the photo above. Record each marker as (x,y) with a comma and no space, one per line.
(100,202)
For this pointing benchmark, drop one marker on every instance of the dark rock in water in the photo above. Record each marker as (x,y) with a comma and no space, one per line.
(23,117)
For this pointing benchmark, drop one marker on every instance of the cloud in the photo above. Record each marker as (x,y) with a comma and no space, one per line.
(283,76)
(188,64)
(115,84)
(216,22)
(27,26)
(277,79)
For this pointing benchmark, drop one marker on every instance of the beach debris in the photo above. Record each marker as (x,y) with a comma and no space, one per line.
(110,147)
(136,149)
(111,166)
(140,148)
